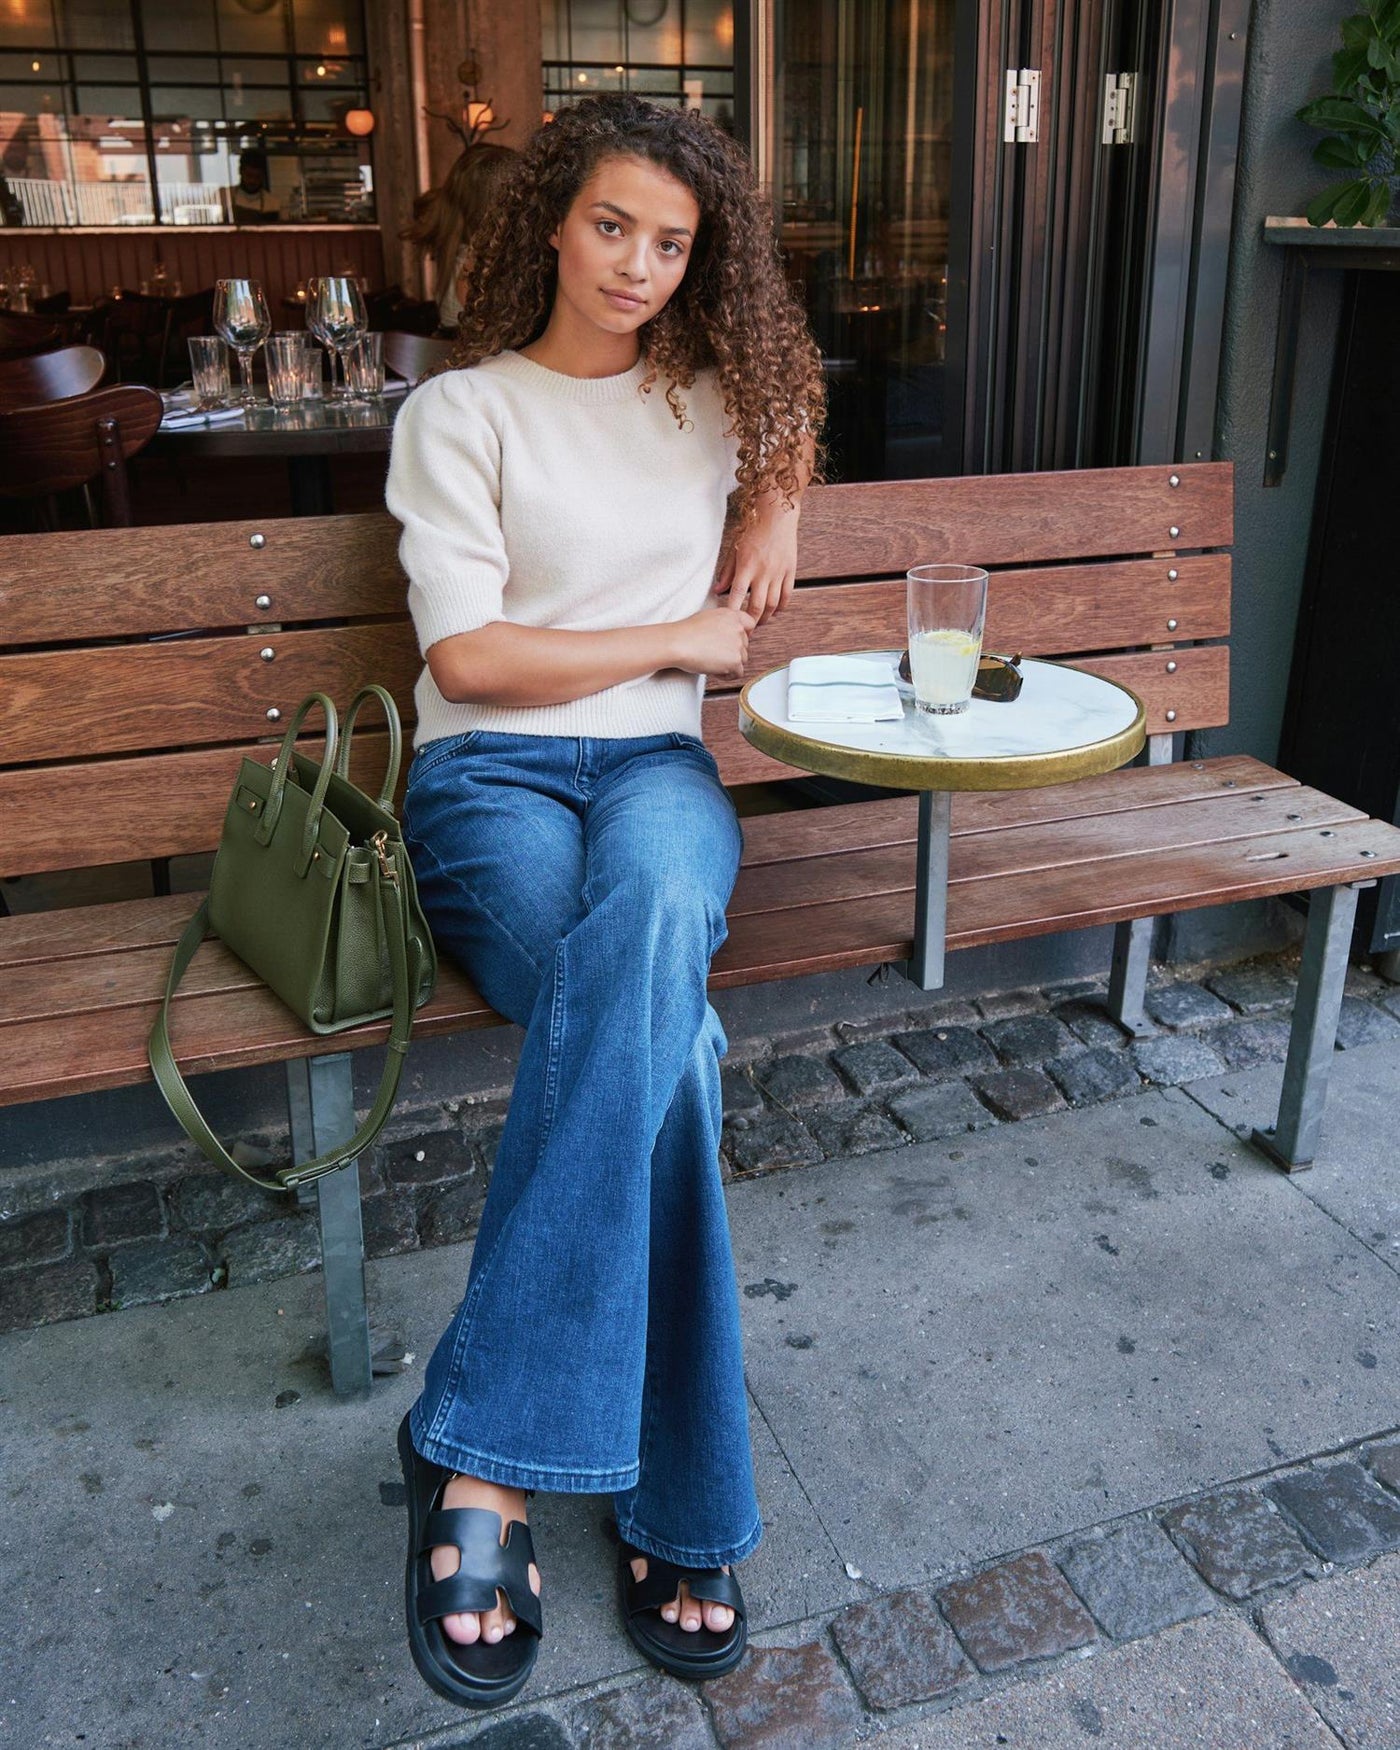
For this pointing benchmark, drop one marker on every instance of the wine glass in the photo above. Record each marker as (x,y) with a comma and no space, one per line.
(335,314)
(241,316)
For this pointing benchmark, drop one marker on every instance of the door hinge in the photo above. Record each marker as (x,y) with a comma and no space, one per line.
(1021,120)
(1119,109)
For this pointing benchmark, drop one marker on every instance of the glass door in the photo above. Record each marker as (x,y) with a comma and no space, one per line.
(860,157)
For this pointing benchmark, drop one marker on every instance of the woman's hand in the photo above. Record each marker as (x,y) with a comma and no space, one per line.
(760,569)
(715,642)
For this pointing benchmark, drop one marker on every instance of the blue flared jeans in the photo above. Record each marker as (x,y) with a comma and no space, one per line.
(582,884)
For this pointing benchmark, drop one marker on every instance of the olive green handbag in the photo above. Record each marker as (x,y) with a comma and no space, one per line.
(312,888)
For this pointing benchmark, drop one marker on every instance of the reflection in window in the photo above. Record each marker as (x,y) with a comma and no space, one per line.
(861,188)
(139,111)
(676,51)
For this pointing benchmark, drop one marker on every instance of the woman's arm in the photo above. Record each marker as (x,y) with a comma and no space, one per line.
(760,571)
(505,664)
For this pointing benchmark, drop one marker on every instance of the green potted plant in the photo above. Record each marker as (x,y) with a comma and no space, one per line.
(1361,118)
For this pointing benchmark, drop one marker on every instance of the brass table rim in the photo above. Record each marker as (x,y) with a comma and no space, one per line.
(898,771)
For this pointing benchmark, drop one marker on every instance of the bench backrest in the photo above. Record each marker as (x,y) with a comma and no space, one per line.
(137,665)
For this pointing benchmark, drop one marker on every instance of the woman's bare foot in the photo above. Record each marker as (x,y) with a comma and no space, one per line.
(490,1625)
(686,1610)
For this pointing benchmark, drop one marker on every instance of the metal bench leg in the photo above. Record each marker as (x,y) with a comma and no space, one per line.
(1292,1143)
(320,1099)
(1127,978)
(1132,943)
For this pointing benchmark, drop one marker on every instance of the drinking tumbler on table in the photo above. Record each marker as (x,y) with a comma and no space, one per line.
(209,371)
(947,610)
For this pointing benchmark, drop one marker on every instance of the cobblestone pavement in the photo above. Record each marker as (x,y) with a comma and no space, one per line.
(1261,1611)
(155,1228)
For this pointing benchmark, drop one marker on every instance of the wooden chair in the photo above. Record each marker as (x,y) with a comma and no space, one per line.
(49,376)
(54,448)
(144,335)
(412,356)
(22,335)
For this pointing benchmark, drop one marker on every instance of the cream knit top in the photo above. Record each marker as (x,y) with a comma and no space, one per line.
(548,500)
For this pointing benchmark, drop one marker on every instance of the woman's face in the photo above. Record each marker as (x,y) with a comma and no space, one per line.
(625,244)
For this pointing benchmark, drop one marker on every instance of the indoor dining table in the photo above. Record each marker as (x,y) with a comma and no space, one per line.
(306,435)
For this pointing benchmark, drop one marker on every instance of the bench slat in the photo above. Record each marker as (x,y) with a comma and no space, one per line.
(825,831)
(189,692)
(198,574)
(151,805)
(1000,856)
(172,804)
(1060,612)
(826,937)
(79,1054)
(1014,519)
(107,929)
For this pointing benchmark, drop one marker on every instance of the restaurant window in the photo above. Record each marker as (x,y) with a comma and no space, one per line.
(681,51)
(862,192)
(130,112)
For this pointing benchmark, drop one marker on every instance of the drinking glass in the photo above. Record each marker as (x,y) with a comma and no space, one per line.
(366,365)
(209,370)
(947,610)
(286,368)
(313,374)
(335,314)
(241,316)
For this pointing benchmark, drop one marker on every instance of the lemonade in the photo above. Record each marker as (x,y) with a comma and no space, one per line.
(943,663)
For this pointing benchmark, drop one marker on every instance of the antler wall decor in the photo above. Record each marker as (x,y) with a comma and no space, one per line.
(476,118)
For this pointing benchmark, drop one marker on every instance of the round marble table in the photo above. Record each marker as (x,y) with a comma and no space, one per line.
(1066,724)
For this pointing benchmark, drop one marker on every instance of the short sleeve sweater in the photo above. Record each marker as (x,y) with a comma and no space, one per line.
(556,501)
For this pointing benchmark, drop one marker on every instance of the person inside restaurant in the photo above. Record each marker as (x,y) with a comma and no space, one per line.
(251,202)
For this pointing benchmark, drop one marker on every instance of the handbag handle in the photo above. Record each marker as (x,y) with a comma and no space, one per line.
(394,921)
(282,770)
(391,718)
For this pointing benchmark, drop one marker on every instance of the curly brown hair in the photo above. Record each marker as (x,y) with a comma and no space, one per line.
(450,215)
(732,313)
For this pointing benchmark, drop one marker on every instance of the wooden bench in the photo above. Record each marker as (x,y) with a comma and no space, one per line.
(138,665)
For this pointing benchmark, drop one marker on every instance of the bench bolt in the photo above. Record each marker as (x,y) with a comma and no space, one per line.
(262,601)
(1171,668)
(267,653)
(273,714)
(1171,625)
(1174,480)
(1171,716)
(257,540)
(1172,575)
(1173,531)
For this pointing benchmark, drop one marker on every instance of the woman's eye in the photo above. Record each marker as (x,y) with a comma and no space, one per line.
(610,227)
(672,248)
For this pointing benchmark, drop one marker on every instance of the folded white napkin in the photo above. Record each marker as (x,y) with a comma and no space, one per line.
(842,689)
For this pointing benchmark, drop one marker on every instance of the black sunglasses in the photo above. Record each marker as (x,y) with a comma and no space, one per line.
(999,678)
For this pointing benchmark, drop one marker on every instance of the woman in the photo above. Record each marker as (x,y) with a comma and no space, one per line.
(631,363)
(447,219)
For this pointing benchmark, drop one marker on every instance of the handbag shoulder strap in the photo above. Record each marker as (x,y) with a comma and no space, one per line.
(182,1103)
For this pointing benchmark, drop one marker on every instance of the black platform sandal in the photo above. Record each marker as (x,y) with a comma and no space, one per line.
(487,1673)
(695,1653)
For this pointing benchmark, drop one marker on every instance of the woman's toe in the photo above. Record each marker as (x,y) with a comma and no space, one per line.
(718,1617)
(465,1630)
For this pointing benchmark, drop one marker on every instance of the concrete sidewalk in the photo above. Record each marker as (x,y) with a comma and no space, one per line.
(1078,1430)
